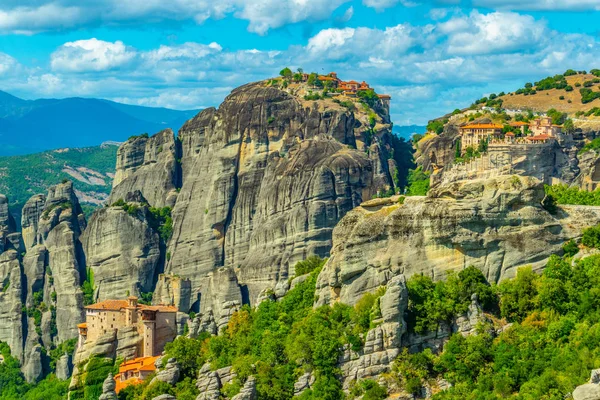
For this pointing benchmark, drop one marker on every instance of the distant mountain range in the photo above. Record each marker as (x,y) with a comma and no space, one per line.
(407,131)
(28,126)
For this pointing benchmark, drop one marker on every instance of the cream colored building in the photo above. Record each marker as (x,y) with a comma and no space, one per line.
(155,324)
(473,134)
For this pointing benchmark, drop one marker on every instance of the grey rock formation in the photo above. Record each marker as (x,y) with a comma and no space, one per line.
(7,223)
(590,390)
(467,324)
(173,290)
(248,391)
(165,397)
(382,343)
(11,326)
(203,322)
(170,373)
(438,151)
(123,251)
(497,225)
(589,170)
(265,178)
(108,388)
(64,366)
(221,294)
(34,269)
(305,381)
(30,217)
(33,371)
(208,384)
(59,227)
(128,342)
(150,166)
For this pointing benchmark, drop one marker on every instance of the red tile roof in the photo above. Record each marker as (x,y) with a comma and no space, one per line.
(510,134)
(116,305)
(113,305)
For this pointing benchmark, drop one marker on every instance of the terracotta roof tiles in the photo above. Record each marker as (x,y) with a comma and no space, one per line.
(113,305)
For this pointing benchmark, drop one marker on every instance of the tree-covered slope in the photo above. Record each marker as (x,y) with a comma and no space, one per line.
(91,170)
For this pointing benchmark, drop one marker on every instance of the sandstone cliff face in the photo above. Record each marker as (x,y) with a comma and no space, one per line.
(11,329)
(44,267)
(150,166)
(263,180)
(59,227)
(32,212)
(123,252)
(496,225)
(438,151)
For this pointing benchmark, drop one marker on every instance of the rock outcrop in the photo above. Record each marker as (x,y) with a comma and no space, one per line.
(147,164)
(382,343)
(590,390)
(437,151)
(171,289)
(589,170)
(264,179)
(248,391)
(170,373)
(108,388)
(123,251)
(40,296)
(497,225)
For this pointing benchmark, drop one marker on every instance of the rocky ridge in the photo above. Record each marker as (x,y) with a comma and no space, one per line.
(42,272)
(497,225)
(260,185)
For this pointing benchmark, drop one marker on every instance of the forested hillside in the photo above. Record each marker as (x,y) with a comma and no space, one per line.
(91,169)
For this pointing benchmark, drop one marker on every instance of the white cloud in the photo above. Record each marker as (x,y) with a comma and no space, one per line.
(380,5)
(268,14)
(263,15)
(91,55)
(491,33)
(549,5)
(188,50)
(428,69)
(347,16)
(28,20)
(7,64)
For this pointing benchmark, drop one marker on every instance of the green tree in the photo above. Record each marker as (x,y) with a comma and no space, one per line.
(286,73)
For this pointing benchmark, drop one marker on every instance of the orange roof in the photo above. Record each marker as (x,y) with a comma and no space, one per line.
(114,305)
(326,78)
(510,134)
(481,126)
(539,137)
(519,123)
(82,325)
(354,82)
(384,96)
(138,364)
(160,308)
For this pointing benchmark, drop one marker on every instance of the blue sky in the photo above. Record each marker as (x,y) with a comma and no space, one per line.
(432,56)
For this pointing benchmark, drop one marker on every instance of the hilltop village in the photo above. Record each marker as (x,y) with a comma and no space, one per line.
(537,131)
